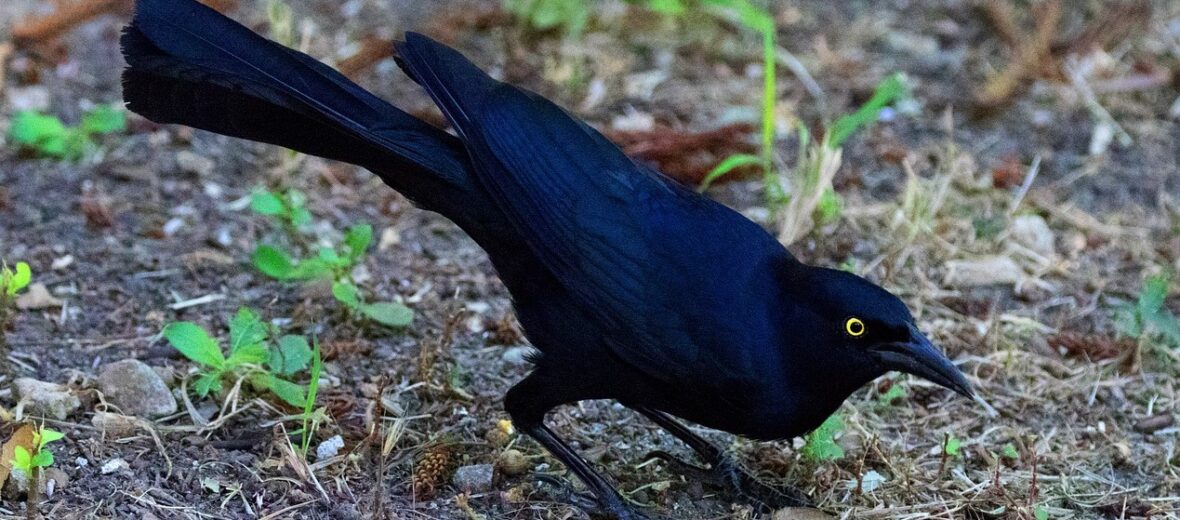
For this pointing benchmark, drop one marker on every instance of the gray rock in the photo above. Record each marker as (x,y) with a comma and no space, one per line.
(136,389)
(191,163)
(47,399)
(1033,232)
(992,270)
(474,479)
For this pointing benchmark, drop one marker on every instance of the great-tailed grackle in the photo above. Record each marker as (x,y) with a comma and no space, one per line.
(632,287)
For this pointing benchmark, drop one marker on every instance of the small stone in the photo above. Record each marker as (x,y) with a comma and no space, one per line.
(54,480)
(33,97)
(1033,232)
(800,513)
(518,355)
(992,270)
(1154,423)
(37,297)
(191,163)
(474,479)
(114,425)
(513,463)
(136,389)
(114,466)
(329,448)
(48,399)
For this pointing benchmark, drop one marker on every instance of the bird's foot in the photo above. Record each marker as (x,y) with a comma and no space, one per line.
(590,504)
(727,474)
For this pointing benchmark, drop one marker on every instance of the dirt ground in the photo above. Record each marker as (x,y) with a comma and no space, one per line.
(157,216)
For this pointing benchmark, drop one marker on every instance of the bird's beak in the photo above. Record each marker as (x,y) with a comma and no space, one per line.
(920,357)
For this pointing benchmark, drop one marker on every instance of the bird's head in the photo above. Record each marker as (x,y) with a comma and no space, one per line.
(869,328)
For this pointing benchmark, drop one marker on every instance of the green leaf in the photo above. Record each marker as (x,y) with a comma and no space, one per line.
(289,392)
(273,262)
(40,132)
(48,436)
(194,343)
(831,205)
(895,393)
(1151,299)
(728,165)
(43,459)
(311,269)
(358,238)
(1009,452)
(246,328)
(293,355)
(888,90)
(266,203)
(104,119)
(208,382)
(667,7)
(389,314)
(347,294)
(21,459)
(1040,513)
(300,217)
(953,445)
(329,256)
(821,444)
(250,354)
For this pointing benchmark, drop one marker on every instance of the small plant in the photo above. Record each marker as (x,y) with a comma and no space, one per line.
(952,446)
(12,282)
(1148,320)
(311,417)
(47,136)
(329,263)
(570,16)
(32,460)
(820,445)
(255,354)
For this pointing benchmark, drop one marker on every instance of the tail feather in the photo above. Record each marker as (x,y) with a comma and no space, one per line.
(190,65)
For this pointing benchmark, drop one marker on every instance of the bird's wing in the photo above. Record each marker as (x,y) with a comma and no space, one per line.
(641,253)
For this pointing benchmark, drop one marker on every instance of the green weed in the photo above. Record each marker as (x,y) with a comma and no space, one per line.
(12,282)
(1149,322)
(328,263)
(255,353)
(31,463)
(48,136)
(820,445)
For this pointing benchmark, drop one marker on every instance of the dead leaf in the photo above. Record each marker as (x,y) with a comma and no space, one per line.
(37,297)
(23,437)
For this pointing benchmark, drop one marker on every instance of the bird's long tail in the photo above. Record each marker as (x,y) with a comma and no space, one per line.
(190,65)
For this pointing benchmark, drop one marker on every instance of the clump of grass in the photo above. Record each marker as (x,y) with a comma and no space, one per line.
(1149,322)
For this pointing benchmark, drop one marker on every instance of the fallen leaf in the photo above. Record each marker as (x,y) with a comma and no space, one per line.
(23,437)
(37,297)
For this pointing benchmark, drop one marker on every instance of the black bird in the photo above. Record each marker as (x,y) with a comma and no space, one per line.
(631,286)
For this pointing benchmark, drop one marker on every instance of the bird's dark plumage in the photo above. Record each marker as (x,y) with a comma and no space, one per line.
(632,287)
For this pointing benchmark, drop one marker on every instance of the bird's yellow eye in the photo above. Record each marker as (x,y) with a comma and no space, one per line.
(854,327)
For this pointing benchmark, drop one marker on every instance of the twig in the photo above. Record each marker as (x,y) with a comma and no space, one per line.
(372,51)
(1029,177)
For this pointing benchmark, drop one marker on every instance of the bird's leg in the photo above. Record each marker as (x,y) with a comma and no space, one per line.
(723,470)
(527,403)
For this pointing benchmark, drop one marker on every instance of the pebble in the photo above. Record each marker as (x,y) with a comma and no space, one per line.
(329,448)
(48,399)
(191,163)
(474,479)
(993,270)
(113,466)
(1033,232)
(513,463)
(37,297)
(136,389)
(33,97)
(114,425)
(516,355)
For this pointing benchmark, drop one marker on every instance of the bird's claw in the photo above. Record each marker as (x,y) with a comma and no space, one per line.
(727,474)
(587,502)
